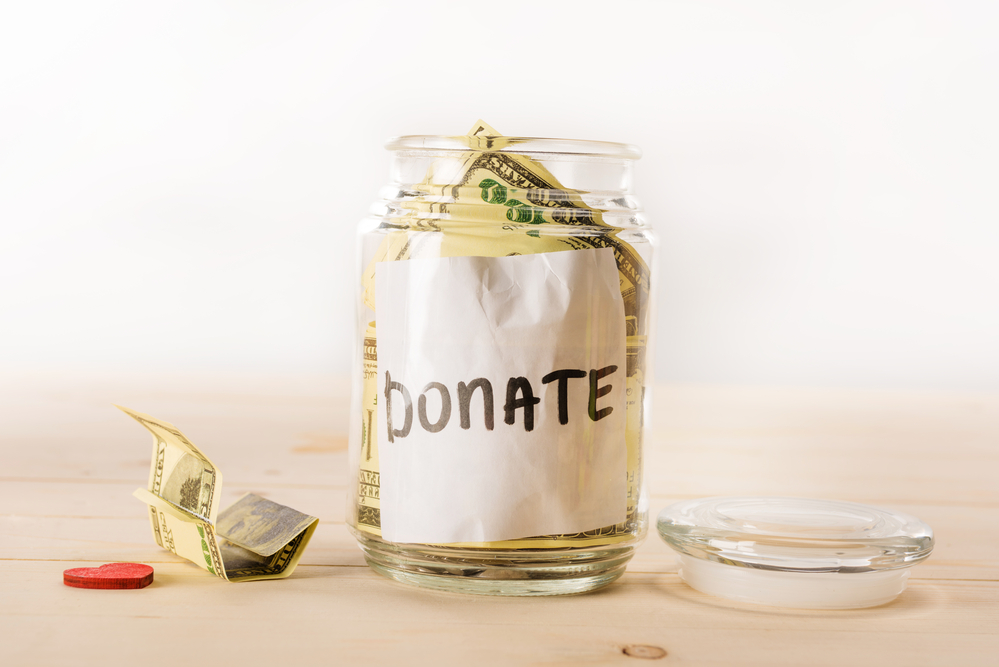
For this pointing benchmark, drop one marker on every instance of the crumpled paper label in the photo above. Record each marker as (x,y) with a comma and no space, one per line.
(502,387)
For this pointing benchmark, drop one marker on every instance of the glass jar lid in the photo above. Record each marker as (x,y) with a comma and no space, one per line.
(795,552)
(519,145)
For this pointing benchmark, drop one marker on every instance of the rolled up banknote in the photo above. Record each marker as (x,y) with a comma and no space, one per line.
(254,538)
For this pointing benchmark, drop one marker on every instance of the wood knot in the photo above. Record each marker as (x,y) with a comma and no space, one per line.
(644,651)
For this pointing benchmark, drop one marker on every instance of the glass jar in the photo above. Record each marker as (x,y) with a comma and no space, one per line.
(500,389)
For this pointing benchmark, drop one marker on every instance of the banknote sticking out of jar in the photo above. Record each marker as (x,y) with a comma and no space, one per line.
(504,316)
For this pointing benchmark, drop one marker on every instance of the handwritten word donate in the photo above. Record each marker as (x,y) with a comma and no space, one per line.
(519,396)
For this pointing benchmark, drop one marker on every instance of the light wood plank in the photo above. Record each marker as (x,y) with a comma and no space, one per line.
(70,463)
(967,541)
(350,616)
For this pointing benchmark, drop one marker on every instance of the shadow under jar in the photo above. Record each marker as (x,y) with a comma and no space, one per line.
(500,389)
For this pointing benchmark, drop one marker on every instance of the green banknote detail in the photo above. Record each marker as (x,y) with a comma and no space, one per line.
(254,538)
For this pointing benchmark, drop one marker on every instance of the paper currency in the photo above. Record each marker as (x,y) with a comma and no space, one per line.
(490,202)
(254,538)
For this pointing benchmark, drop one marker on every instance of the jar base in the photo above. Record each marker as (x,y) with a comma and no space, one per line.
(483,572)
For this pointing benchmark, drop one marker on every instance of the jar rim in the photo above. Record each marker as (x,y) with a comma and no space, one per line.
(503,144)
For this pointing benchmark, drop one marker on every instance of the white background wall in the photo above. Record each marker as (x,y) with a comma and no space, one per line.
(179,181)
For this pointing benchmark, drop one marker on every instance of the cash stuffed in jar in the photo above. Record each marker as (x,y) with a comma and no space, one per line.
(505,313)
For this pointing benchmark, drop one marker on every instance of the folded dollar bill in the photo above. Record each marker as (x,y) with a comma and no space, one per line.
(254,538)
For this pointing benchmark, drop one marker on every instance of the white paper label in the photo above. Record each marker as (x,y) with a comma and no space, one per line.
(501,396)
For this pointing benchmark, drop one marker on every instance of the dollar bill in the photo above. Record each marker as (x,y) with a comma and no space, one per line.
(463,200)
(180,473)
(254,538)
(491,202)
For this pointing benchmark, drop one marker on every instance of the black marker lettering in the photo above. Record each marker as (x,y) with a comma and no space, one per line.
(465,392)
(563,377)
(407,401)
(595,393)
(513,387)
(445,408)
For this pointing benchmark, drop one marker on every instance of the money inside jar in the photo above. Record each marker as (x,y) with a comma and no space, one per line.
(498,431)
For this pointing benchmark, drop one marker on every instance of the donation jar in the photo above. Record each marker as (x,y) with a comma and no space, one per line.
(501,390)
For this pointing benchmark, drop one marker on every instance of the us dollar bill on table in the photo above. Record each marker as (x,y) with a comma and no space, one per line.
(254,538)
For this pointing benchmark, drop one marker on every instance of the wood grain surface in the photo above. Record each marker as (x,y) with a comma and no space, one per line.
(70,462)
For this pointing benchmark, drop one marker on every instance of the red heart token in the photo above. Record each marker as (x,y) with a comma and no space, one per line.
(113,575)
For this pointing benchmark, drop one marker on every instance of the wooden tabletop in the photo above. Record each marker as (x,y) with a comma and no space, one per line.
(70,462)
